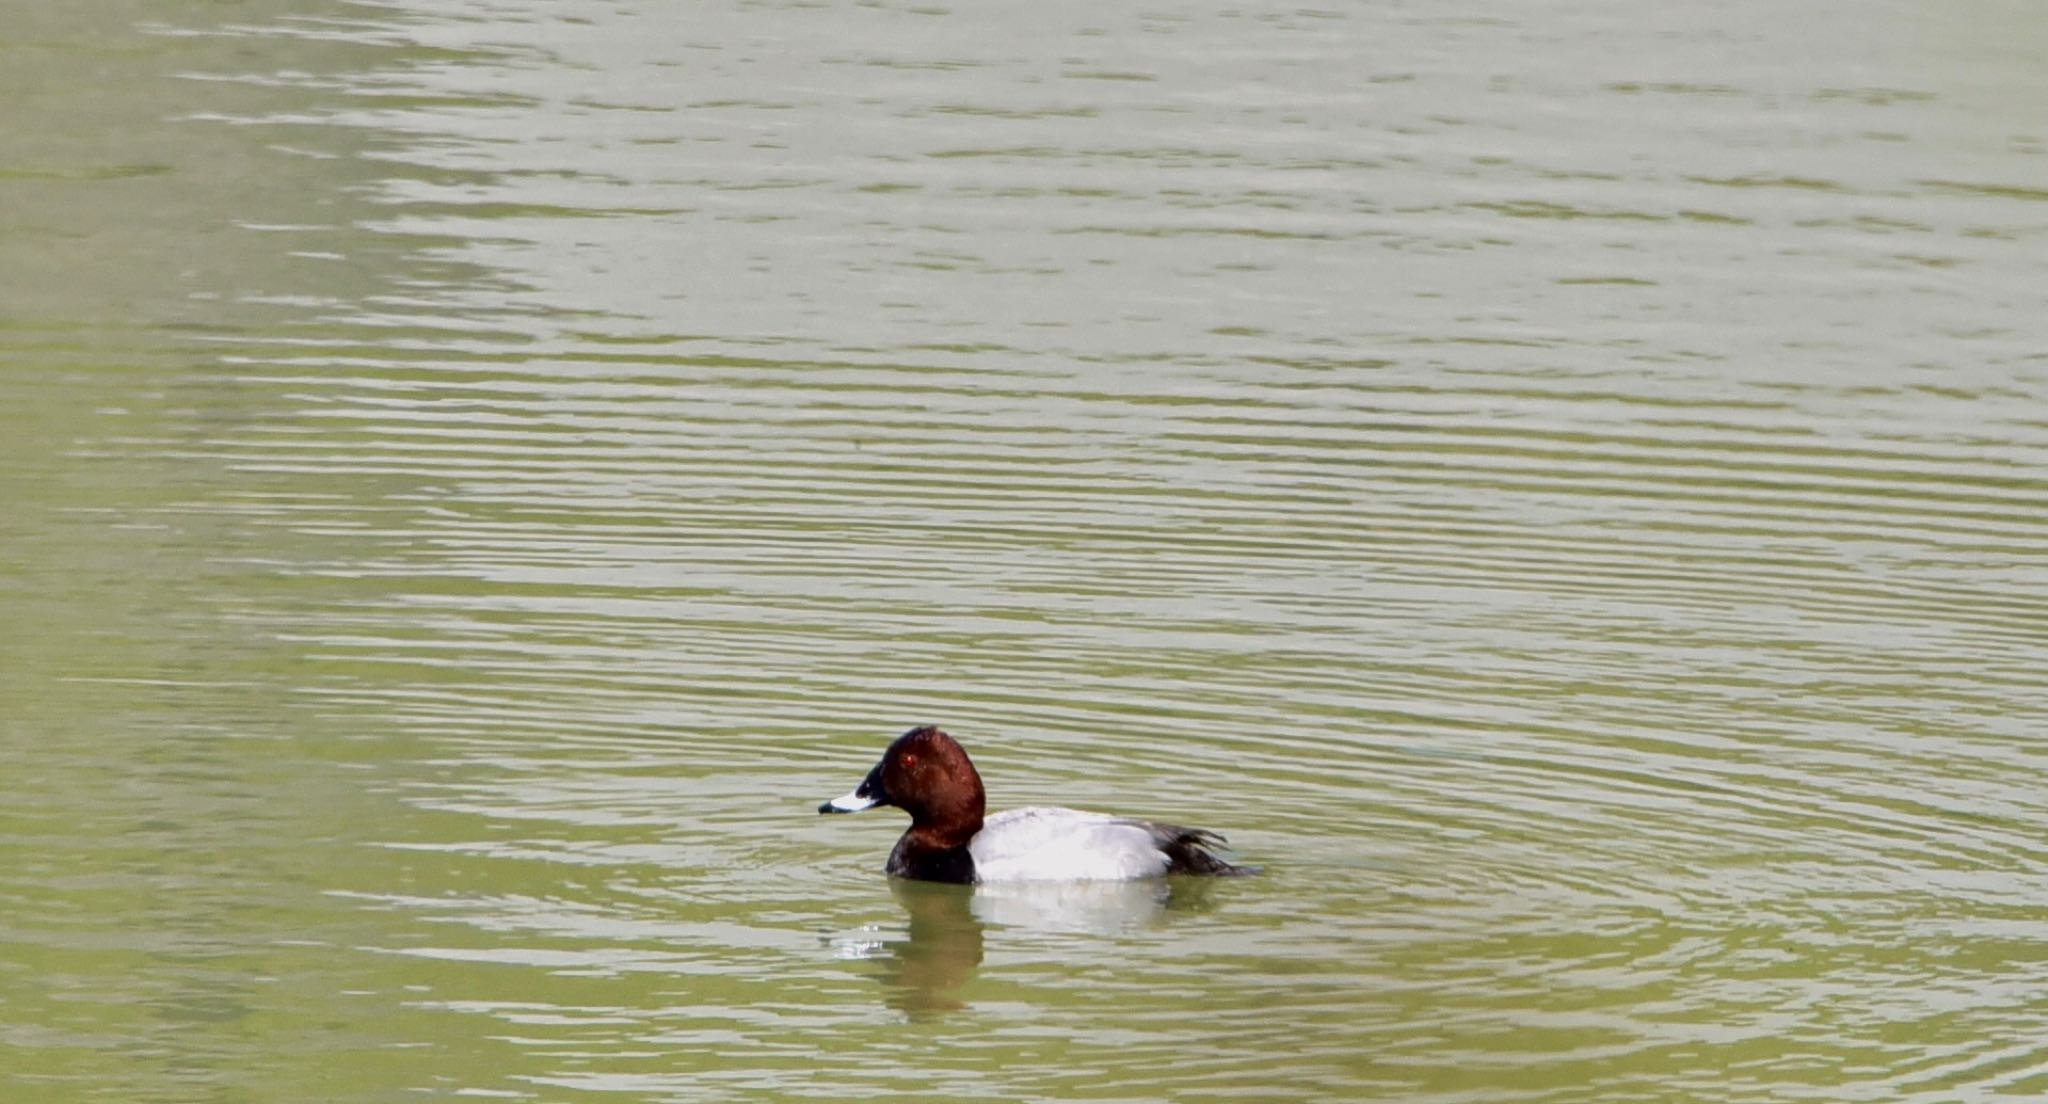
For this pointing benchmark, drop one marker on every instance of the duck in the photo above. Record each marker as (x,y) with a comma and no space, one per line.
(926,773)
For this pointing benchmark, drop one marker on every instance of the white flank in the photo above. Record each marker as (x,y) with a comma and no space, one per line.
(1042,844)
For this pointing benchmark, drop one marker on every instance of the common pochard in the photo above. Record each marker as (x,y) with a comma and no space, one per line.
(927,774)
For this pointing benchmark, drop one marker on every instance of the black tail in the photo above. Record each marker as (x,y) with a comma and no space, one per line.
(1188,850)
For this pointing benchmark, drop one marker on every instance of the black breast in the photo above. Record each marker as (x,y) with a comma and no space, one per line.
(930,864)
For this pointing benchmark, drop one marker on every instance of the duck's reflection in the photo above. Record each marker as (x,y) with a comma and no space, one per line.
(923,972)
(1095,908)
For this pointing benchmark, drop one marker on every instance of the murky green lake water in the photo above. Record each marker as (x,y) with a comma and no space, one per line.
(1565,490)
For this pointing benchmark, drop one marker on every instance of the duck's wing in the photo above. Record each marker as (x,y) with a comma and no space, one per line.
(1041,843)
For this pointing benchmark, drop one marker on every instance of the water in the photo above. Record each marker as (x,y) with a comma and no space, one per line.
(1566,492)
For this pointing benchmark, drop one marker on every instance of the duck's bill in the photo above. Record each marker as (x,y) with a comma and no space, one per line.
(851,803)
(867,795)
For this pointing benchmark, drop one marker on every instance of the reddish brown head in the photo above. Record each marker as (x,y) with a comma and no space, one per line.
(927,774)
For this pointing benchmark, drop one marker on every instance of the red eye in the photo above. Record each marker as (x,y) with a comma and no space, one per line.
(909,760)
